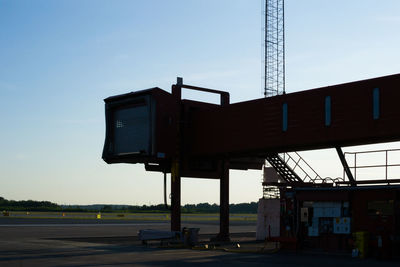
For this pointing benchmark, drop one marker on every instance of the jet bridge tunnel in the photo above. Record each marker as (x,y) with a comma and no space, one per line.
(195,139)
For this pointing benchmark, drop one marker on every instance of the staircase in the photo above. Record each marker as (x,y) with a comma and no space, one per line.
(283,169)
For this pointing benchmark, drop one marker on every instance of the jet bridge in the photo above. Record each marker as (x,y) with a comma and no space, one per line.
(195,139)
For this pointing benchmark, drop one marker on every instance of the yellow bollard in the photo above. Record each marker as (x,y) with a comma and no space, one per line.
(362,240)
(98,216)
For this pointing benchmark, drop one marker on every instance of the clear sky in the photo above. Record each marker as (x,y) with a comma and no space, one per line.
(60,59)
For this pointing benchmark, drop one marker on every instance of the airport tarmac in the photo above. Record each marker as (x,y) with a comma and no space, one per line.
(45,242)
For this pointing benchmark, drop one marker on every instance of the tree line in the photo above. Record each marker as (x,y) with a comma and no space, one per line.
(32,205)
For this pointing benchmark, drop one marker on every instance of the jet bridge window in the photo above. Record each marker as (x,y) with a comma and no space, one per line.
(284,117)
(327,110)
(375,103)
(131,130)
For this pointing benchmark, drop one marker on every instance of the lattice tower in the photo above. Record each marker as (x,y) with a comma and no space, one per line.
(274,80)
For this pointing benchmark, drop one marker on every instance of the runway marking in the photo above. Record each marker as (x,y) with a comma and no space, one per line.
(78,224)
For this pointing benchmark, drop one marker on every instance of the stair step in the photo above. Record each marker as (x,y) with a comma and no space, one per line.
(283,169)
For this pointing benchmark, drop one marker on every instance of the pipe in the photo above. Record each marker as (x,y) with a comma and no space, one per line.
(165,191)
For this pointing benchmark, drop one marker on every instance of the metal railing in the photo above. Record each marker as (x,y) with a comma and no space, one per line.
(354,167)
(297,162)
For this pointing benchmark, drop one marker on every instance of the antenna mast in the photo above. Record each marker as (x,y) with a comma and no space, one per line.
(274,79)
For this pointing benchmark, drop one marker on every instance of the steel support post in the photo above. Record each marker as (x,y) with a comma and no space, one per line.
(346,166)
(224,203)
(175,167)
(175,197)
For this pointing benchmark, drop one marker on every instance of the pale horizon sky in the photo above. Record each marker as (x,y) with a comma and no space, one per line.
(60,59)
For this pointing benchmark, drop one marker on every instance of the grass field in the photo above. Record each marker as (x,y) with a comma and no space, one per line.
(125,216)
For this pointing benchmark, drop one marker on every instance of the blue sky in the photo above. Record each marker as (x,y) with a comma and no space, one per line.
(60,59)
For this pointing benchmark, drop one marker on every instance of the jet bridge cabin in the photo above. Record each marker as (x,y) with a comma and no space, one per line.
(152,126)
(140,127)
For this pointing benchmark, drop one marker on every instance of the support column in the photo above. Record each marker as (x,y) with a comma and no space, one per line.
(175,197)
(175,168)
(224,203)
(346,166)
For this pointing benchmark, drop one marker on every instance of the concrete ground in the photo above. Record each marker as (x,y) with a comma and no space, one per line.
(90,243)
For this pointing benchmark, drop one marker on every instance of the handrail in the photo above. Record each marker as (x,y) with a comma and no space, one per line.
(298,164)
(386,165)
(372,151)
